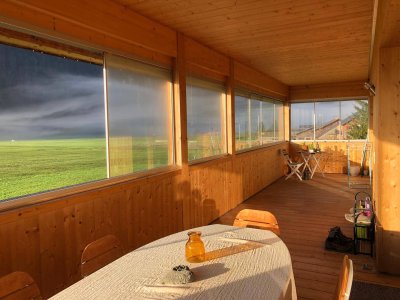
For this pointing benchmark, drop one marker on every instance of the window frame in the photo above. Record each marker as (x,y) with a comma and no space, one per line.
(50,45)
(215,85)
(257,97)
(340,100)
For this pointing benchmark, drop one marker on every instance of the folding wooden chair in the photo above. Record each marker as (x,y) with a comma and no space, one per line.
(18,285)
(258,219)
(294,166)
(345,281)
(100,253)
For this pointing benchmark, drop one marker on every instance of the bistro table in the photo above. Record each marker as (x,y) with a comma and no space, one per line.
(311,161)
(241,263)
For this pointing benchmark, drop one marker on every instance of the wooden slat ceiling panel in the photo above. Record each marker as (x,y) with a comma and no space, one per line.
(297,41)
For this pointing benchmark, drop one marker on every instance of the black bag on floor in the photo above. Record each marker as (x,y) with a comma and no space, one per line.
(337,241)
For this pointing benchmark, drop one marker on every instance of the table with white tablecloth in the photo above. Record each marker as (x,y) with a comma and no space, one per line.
(247,264)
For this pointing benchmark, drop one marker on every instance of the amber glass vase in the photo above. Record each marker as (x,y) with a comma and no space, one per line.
(195,251)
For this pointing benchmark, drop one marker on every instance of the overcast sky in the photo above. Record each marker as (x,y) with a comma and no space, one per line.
(48,97)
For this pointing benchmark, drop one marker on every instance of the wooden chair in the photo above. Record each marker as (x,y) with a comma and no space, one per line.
(18,286)
(100,253)
(294,166)
(345,281)
(257,219)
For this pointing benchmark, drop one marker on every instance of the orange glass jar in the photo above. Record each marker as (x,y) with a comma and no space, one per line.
(194,250)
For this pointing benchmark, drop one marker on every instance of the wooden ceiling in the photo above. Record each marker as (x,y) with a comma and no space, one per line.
(296,41)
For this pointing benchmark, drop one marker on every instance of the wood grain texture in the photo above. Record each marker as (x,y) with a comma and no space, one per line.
(334,158)
(254,80)
(100,253)
(106,24)
(47,240)
(352,90)
(387,161)
(18,285)
(296,42)
(260,219)
(203,57)
(305,212)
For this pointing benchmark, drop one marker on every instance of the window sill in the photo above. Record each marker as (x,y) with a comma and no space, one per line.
(260,147)
(43,197)
(327,141)
(208,160)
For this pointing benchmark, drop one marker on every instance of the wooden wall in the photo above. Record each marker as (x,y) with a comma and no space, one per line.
(46,238)
(334,159)
(385,75)
(350,90)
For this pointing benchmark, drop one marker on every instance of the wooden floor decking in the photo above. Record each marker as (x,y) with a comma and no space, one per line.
(305,212)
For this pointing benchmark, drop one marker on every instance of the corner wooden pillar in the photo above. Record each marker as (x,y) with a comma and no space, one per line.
(386,173)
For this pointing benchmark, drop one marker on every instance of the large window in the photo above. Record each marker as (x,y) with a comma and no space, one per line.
(52,131)
(258,121)
(59,128)
(334,120)
(139,116)
(206,102)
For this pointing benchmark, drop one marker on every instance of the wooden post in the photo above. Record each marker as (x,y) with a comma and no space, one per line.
(387,139)
(183,192)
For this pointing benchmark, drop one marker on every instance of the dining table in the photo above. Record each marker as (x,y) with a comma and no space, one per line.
(240,263)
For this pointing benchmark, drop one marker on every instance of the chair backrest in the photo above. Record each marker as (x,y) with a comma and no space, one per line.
(345,281)
(100,253)
(286,156)
(18,285)
(257,219)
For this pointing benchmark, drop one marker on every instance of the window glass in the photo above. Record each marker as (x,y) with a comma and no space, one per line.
(242,122)
(205,118)
(139,116)
(354,119)
(268,123)
(302,121)
(52,131)
(334,120)
(327,121)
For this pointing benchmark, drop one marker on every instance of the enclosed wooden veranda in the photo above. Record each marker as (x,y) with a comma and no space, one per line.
(142,119)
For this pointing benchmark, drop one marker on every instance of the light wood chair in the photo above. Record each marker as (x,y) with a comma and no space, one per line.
(100,253)
(257,219)
(345,281)
(18,285)
(294,166)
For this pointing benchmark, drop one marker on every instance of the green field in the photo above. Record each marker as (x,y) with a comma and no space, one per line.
(28,167)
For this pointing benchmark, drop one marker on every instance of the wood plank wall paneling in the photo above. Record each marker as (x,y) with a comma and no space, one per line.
(335,156)
(232,179)
(106,24)
(384,74)
(48,242)
(387,161)
(255,80)
(47,239)
(352,89)
(200,56)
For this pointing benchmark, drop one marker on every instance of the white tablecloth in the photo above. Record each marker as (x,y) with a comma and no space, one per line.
(261,273)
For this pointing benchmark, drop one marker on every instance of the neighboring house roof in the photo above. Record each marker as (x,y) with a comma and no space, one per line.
(323,130)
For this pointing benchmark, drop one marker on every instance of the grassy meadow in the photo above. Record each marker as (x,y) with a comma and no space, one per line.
(28,167)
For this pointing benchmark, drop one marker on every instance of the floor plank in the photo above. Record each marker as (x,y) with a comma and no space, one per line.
(305,212)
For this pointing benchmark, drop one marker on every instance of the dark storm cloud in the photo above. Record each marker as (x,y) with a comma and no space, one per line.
(66,106)
(83,110)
